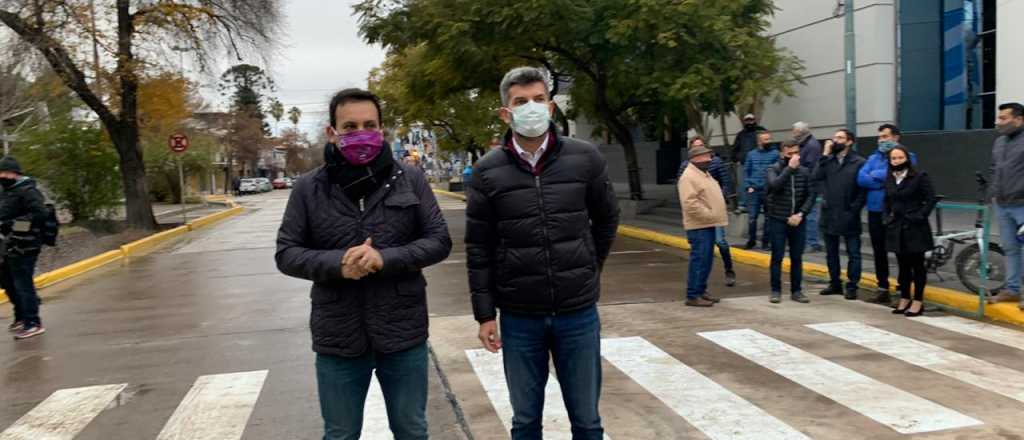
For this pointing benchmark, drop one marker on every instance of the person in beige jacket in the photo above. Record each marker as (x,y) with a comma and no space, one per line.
(703,210)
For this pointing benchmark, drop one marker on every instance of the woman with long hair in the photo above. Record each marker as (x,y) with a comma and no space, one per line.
(909,201)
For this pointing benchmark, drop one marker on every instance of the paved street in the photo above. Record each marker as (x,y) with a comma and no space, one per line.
(204,339)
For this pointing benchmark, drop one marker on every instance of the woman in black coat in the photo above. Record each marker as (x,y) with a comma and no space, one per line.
(909,200)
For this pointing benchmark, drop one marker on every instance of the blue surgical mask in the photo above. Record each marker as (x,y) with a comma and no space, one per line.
(886,146)
(531,119)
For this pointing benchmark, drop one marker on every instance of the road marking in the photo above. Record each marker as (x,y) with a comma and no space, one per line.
(709,407)
(491,372)
(885,404)
(980,330)
(64,414)
(982,374)
(375,414)
(216,408)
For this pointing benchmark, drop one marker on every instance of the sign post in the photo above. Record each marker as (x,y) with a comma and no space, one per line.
(178,143)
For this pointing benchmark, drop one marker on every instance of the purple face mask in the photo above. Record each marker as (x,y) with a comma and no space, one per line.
(360,147)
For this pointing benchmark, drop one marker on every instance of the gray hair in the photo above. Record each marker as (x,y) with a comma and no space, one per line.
(802,127)
(521,76)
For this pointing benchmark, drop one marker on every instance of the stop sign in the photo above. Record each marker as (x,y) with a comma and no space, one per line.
(178,143)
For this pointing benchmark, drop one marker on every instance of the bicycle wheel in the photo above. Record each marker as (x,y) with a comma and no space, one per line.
(968,265)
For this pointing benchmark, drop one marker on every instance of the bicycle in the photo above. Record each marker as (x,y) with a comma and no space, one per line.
(968,261)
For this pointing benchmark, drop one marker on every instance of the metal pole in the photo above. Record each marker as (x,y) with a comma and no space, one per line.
(850,50)
(181,182)
(983,245)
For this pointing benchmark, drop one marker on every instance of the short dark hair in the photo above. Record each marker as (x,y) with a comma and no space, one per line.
(1015,108)
(353,95)
(789,143)
(849,134)
(911,169)
(891,127)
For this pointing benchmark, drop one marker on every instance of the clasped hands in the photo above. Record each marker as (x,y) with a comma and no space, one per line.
(360,261)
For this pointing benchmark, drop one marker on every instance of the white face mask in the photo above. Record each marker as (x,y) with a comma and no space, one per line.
(531,119)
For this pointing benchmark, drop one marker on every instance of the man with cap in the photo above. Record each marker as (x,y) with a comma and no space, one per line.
(23,213)
(703,211)
(744,142)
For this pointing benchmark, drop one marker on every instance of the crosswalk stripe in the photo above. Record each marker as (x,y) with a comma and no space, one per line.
(216,408)
(489,369)
(709,407)
(64,414)
(982,374)
(375,414)
(901,411)
(980,330)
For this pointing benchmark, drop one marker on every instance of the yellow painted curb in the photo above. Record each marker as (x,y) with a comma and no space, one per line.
(78,268)
(450,194)
(212,219)
(147,244)
(1005,312)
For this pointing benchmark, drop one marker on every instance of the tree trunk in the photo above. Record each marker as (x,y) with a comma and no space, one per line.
(721,117)
(622,134)
(138,209)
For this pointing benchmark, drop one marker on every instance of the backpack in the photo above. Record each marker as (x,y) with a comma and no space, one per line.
(51,227)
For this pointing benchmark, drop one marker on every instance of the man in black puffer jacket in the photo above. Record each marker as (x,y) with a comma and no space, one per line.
(541,216)
(23,213)
(362,227)
(790,194)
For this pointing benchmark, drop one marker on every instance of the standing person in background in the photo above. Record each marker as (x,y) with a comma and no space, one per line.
(872,177)
(720,172)
(744,142)
(909,201)
(703,211)
(842,202)
(810,154)
(790,197)
(757,163)
(1007,191)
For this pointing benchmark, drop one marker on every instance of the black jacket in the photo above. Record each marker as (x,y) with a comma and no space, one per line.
(788,191)
(842,198)
(536,239)
(386,311)
(908,207)
(23,213)
(745,141)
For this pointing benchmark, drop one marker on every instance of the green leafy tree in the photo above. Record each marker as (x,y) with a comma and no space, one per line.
(276,111)
(294,114)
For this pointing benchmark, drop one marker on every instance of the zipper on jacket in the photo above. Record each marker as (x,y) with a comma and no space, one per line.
(362,204)
(547,242)
(792,191)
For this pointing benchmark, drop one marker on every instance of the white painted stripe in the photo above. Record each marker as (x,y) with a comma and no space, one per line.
(883,403)
(980,330)
(717,412)
(64,414)
(491,372)
(982,374)
(216,408)
(375,414)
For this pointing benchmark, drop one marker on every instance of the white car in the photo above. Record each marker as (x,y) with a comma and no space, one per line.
(248,186)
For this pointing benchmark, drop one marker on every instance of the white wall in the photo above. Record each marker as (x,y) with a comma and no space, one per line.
(809,30)
(1009,44)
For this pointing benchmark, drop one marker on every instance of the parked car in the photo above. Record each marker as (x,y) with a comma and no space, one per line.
(248,186)
(280,183)
(265,185)
(288,182)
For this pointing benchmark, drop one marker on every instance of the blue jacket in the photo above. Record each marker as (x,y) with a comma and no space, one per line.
(872,177)
(718,170)
(758,161)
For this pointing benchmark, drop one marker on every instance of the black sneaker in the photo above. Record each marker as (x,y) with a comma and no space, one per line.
(850,295)
(16,326)
(30,331)
(882,296)
(766,247)
(730,278)
(799,297)
(750,245)
(776,297)
(832,290)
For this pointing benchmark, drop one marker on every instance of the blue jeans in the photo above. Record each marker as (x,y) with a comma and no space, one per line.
(1010,220)
(853,265)
(723,248)
(702,257)
(812,225)
(574,343)
(781,234)
(343,383)
(16,278)
(755,206)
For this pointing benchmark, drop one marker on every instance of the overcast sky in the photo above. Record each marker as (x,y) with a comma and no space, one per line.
(321,54)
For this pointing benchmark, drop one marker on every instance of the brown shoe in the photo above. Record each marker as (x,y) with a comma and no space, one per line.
(699,302)
(1003,297)
(710,298)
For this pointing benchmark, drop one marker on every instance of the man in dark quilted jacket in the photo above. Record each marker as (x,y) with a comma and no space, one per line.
(362,227)
(541,216)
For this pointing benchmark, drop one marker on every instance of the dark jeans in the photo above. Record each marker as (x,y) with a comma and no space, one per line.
(16,278)
(343,383)
(912,269)
(723,248)
(876,228)
(782,233)
(702,257)
(755,206)
(853,265)
(574,343)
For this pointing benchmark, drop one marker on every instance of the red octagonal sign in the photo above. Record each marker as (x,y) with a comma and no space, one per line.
(178,143)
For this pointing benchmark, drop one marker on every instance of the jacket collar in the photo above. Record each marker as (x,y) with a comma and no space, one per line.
(550,154)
